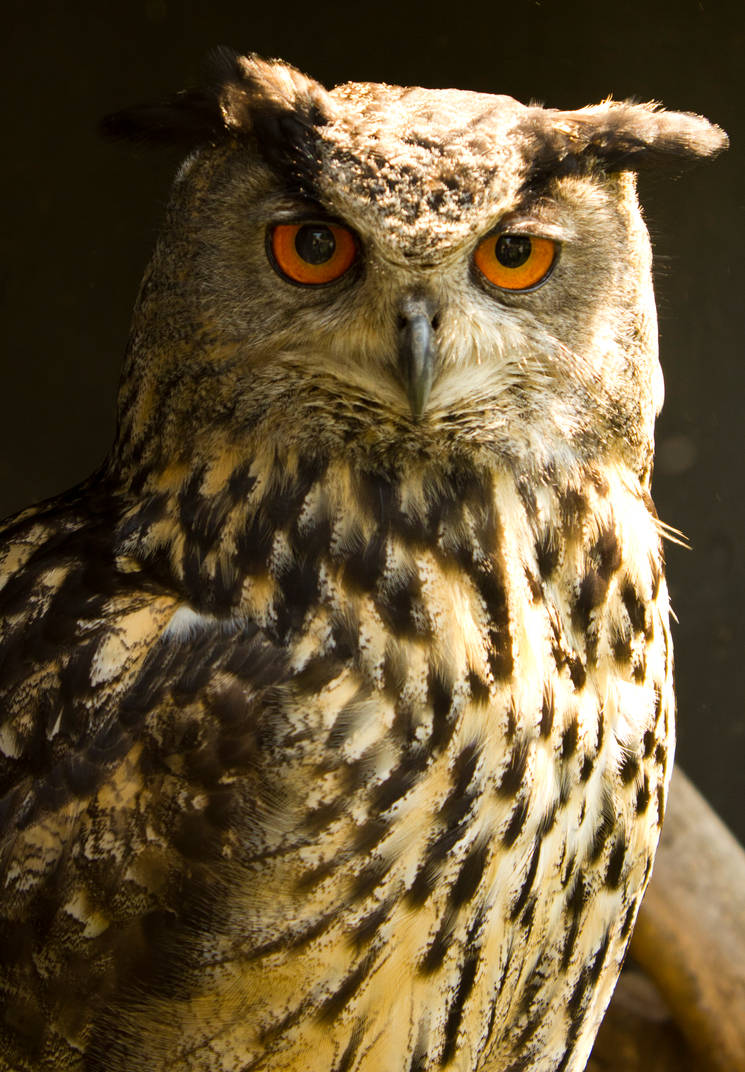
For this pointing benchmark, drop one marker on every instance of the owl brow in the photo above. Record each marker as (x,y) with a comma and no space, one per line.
(302,208)
(536,206)
(288,147)
(543,171)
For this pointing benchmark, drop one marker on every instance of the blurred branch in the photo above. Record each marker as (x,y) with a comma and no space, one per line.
(690,936)
(689,1011)
(638,1033)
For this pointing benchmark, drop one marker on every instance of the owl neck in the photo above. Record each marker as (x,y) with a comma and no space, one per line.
(261,536)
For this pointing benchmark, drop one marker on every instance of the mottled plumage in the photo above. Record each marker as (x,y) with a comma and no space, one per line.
(337,724)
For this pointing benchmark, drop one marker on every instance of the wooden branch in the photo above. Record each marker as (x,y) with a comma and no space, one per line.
(638,1033)
(690,935)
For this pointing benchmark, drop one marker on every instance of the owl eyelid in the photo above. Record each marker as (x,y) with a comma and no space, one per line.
(529,229)
(311,215)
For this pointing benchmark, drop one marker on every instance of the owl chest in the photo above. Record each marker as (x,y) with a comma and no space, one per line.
(470,820)
(446,814)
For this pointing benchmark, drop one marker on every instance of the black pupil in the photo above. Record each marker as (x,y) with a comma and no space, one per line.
(513,250)
(315,243)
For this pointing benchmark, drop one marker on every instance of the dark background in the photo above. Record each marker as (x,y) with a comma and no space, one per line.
(79,218)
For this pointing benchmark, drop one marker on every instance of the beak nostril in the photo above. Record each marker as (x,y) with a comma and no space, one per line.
(402,322)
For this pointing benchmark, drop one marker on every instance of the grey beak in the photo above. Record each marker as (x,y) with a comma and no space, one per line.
(417,353)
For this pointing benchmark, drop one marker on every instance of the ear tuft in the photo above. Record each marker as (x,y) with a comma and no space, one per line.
(259,88)
(619,136)
(623,135)
(241,95)
(186,119)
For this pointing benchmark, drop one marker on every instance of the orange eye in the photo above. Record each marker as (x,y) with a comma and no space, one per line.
(515,262)
(312,253)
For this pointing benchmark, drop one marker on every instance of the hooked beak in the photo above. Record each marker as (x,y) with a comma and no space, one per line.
(417,352)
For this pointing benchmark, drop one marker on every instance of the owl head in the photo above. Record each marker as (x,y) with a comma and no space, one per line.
(398,274)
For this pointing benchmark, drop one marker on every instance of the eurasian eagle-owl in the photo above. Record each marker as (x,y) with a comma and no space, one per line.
(337,711)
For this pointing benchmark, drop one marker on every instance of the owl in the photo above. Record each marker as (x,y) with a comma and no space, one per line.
(337,706)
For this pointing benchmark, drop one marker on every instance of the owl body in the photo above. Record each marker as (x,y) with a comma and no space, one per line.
(340,711)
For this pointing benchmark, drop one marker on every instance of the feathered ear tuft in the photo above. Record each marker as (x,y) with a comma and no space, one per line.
(627,136)
(241,95)
(623,136)
(279,106)
(185,119)
(256,89)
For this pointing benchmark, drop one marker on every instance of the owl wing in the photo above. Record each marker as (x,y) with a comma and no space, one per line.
(127,730)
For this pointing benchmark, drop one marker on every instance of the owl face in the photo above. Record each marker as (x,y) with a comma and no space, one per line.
(411,272)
